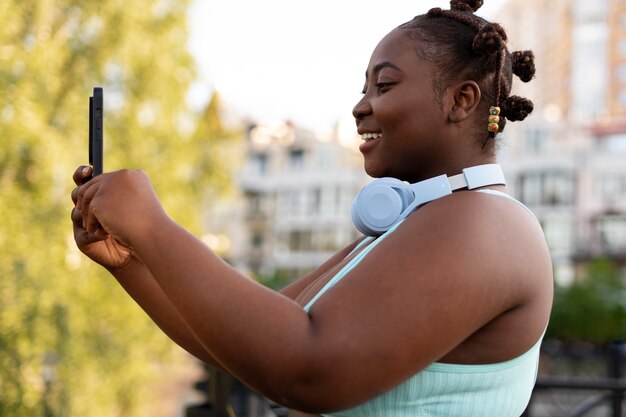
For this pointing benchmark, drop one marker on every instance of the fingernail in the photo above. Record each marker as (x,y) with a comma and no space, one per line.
(85,171)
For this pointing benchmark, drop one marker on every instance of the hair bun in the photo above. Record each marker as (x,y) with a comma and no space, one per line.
(465,5)
(523,65)
(435,12)
(490,39)
(516,108)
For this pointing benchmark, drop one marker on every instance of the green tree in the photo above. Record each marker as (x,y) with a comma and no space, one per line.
(592,310)
(54,304)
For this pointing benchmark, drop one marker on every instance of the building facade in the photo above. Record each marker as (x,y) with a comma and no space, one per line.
(567,161)
(297,191)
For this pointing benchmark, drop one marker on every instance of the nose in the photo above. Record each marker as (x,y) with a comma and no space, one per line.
(362,108)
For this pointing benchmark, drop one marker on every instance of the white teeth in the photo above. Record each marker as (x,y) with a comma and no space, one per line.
(369,136)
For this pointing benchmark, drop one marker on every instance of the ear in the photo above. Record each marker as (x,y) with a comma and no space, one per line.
(464,98)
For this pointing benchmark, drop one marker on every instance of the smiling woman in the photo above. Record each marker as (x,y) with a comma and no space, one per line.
(438,310)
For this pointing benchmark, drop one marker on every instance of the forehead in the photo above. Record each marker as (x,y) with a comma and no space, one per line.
(398,49)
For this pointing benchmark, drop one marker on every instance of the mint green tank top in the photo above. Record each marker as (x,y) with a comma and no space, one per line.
(450,390)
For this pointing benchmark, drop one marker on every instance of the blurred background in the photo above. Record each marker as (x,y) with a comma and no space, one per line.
(240,112)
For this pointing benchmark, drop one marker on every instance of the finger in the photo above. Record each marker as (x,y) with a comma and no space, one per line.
(74,195)
(90,222)
(100,233)
(82,237)
(82,174)
(82,190)
(77,217)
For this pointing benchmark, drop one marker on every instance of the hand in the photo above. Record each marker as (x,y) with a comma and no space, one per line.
(101,248)
(109,210)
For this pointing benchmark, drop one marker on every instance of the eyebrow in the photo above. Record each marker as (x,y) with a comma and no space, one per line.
(384,64)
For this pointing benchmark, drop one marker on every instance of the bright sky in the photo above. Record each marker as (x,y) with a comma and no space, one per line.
(276,60)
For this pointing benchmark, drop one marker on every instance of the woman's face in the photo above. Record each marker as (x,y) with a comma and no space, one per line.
(399,117)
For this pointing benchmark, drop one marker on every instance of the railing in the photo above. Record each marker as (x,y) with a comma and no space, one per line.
(610,390)
(227,397)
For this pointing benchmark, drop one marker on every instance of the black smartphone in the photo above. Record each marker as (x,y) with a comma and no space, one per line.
(96,130)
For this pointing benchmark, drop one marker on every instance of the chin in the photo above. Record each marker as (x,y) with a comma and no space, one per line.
(378,171)
(373,171)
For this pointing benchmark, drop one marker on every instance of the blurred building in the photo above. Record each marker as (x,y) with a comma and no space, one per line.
(568,160)
(297,194)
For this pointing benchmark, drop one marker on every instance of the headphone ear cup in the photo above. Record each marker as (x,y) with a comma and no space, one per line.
(379,205)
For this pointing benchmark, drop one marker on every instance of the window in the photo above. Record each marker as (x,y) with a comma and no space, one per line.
(255,204)
(621,97)
(338,198)
(590,11)
(611,230)
(315,201)
(621,47)
(295,203)
(259,163)
(535,140)
(300,240)
(554,188)
(620,71)
(559,232)
(296,159)
(612,186)
(257,240)
(614,143)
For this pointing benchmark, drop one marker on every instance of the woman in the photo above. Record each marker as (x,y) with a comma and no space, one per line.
(442,315)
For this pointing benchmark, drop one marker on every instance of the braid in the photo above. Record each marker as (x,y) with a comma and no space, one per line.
(483,56)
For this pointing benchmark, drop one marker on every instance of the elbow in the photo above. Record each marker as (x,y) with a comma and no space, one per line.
(314,391)
(308,399)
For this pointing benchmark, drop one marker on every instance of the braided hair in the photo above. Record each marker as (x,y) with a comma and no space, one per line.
(462,44)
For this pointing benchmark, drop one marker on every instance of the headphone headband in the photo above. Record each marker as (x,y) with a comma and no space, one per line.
(386,201)
(478,176)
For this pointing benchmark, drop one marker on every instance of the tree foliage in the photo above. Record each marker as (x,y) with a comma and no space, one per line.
(592,310)
(55,305)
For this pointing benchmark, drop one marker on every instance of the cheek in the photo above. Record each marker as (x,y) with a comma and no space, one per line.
(408,116)
(407,123)
(392,117)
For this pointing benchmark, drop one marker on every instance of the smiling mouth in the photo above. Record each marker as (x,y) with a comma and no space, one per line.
(371,136)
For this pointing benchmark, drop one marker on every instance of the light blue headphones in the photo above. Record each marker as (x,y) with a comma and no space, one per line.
(386,201)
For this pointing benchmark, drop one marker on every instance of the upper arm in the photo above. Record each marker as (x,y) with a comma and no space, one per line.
(432,283)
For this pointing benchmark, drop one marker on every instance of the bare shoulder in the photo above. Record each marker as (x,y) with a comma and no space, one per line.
(491,251)
(487,224)
(493,239)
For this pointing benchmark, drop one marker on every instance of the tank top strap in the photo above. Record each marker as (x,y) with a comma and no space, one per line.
(501,194)
(368,244)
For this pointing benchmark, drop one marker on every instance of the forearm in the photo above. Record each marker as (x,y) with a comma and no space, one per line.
(261,336)
(139,283)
